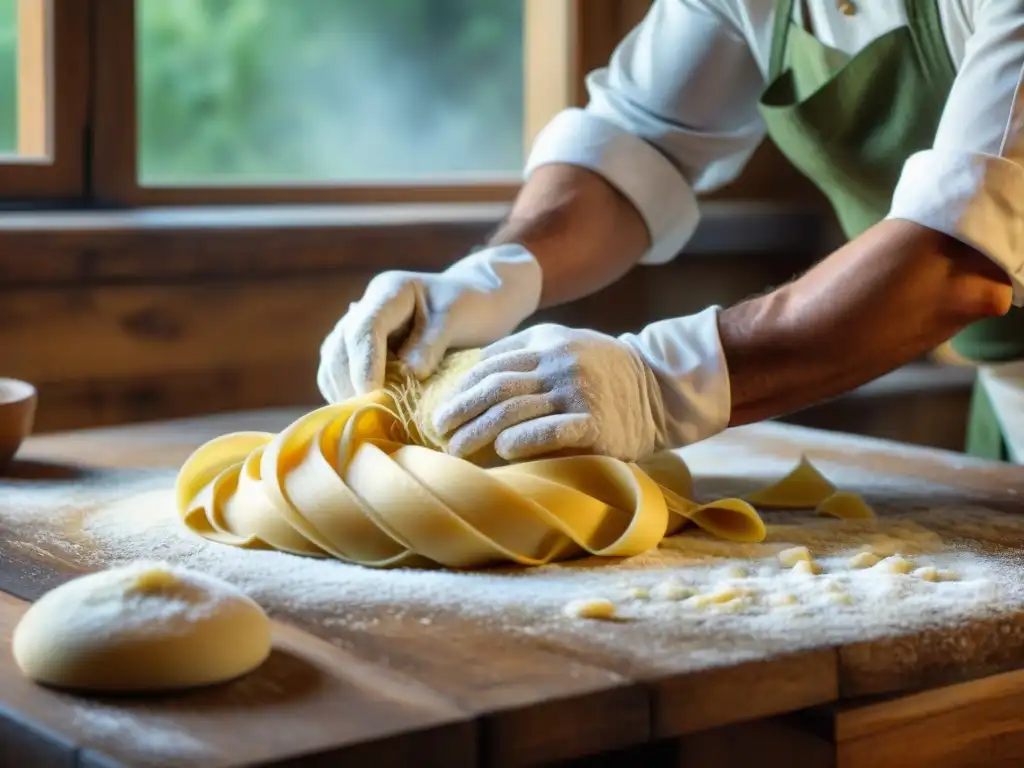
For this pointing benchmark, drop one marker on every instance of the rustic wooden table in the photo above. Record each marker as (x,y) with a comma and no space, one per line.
(465,695)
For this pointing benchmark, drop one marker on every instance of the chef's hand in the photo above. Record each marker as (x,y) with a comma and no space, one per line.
(477,300)
(554,389)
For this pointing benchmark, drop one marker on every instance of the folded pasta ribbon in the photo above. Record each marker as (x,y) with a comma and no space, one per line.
(362,482)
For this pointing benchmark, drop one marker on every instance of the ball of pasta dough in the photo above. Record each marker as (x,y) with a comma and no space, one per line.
(141,627)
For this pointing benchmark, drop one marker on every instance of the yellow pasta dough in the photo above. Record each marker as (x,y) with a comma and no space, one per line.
(896,564)
(807,568)
(846,506)
(863,560)
(365,481)
(790,557)
(803,488)
(141,627)
(590,608)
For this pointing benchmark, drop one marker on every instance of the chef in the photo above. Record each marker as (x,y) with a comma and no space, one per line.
(907,114)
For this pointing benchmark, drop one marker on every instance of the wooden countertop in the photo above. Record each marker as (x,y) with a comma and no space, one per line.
(464,693)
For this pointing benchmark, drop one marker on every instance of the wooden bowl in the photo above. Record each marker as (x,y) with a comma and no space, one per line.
(17,412)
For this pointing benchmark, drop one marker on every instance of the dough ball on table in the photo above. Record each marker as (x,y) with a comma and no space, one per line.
(140,628)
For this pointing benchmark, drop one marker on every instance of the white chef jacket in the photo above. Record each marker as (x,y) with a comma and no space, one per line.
(675,113)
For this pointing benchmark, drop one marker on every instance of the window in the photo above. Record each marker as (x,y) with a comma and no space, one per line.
(336,91)
(193,102)
(243,101)
(43,95)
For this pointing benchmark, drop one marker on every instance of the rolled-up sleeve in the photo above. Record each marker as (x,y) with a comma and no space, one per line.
(970,184)
(673,114)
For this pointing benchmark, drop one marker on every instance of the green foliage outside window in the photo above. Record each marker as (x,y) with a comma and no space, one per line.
(328,90)
(8,75)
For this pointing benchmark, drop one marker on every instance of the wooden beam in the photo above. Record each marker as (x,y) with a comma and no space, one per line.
(550,64)
(35,79)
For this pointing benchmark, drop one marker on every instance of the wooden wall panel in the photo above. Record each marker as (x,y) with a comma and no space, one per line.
(153,329)
(107,351)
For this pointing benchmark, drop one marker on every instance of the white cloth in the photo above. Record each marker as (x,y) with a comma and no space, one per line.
(551,388)
(474,302)
(675,112)
(1004,384)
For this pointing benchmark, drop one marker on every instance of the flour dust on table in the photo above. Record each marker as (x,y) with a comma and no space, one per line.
(693,602)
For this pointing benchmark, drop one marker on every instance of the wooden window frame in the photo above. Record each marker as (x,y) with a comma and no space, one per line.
(53,99)
(556,48)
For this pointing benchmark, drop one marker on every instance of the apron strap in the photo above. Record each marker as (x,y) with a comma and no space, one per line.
(925,25)
(780,35)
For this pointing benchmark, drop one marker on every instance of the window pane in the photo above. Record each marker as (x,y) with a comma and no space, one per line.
(279,91)
(8,76)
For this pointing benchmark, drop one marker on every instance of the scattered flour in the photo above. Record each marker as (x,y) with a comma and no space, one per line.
(671,589)
(156,739)
(773,610)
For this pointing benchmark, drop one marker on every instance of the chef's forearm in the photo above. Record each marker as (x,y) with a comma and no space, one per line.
(584,233)
(879,302)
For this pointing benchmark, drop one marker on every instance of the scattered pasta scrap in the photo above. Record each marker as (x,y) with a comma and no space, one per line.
(931,573)
(782,599)
(896,564)
(672,589)
(790,557)
(734,606)
(720,595)
(639,593)
(803,488)
(730,519)
(839,598)
(807,568)
(846,506)
(863,560)
(590,608)
(736,572)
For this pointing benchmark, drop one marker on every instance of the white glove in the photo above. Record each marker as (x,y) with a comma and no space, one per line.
(475,301)
(553,389)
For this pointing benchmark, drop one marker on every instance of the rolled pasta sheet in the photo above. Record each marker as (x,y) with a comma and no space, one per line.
(358,482)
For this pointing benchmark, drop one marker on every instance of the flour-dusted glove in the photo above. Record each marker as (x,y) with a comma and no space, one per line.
(477,300)
(554,389)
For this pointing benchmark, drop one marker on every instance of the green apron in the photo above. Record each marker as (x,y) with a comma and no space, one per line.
(848,123)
